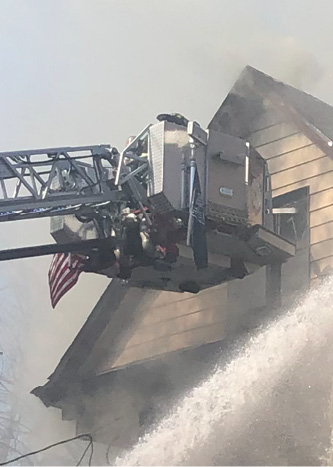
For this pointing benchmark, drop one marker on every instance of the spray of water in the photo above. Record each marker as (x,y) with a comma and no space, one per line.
(231,393)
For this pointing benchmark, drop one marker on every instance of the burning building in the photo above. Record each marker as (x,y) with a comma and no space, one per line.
(140,349)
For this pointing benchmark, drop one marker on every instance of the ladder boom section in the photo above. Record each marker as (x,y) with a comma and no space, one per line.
(82,247)
(55,181)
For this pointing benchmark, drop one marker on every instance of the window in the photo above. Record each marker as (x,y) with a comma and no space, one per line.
(291,216)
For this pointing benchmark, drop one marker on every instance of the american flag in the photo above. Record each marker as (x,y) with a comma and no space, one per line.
(63,274)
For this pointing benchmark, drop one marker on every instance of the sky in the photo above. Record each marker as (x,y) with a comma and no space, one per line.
(85,72)
(77,72)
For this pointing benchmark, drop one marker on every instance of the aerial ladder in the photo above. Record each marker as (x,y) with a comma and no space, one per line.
(181,208)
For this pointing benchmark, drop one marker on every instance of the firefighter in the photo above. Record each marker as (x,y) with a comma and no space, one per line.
(166,234)
(131,252)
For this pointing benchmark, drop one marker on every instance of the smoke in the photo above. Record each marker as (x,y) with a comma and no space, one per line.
(87,72)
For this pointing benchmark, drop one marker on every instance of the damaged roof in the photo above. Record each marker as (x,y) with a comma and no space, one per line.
(246,101)
(78,352)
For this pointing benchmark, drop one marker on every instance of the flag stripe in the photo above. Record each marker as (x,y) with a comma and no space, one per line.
(63,268)
(67,282)
(55,261)
(56,265)
(63,274)
(60,268)
(65,287)
(63,277)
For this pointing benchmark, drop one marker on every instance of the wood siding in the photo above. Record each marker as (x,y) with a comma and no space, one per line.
(166,322)
(158,323)
(150,323)
(296,162)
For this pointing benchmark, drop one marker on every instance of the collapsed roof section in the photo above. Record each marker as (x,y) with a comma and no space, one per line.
(254,91)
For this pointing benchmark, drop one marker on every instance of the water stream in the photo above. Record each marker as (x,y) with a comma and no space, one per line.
(269,405)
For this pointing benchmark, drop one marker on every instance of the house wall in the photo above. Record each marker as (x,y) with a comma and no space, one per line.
(166,328)
(164,322)
(167,322)
(149,323)
(295,162)
(151,326)
(118,407)
(159,323)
